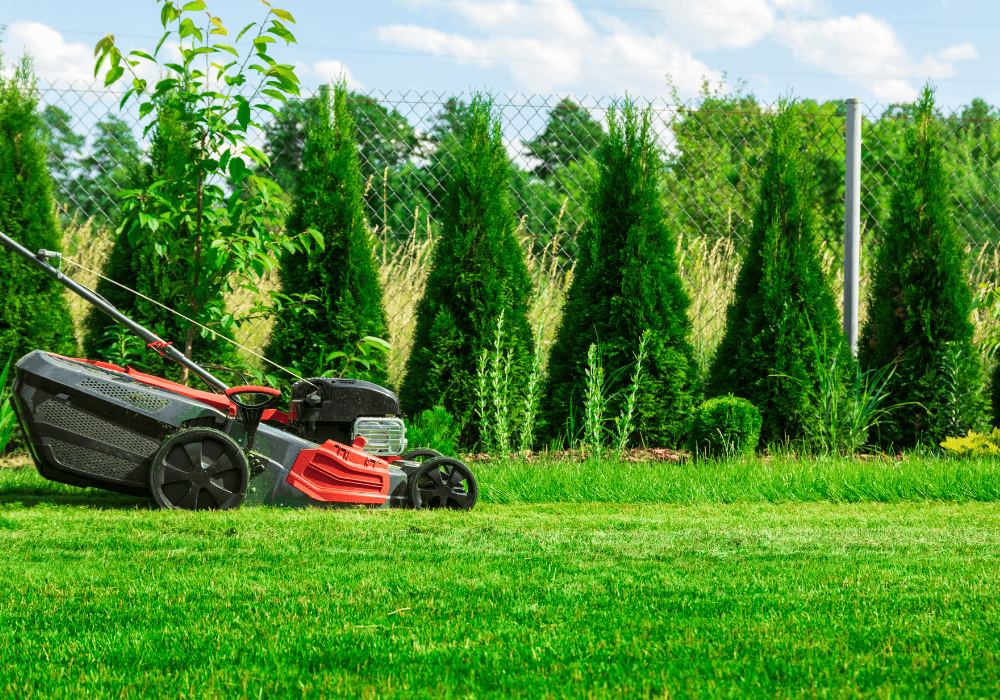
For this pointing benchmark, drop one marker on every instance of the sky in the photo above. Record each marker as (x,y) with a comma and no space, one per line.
(881,52)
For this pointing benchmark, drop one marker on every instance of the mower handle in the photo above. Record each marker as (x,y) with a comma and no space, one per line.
(234,391)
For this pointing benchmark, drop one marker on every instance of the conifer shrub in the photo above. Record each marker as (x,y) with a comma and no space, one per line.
(477,271)
(995,392)
(626,282)
(136,265)
(782,305)
(330,199)
(919,301)
(434,428)
(725,426)
(33,309)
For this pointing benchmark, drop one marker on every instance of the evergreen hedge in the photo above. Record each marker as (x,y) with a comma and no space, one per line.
(33,309)
(477,271)
(626,282)
(782,305)
(995,386)
(919,303)
(330,199)
(137,265)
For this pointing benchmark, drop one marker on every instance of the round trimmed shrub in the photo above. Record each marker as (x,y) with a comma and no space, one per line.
(724,426)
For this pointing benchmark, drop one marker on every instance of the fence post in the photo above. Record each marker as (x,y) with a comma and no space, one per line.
(852,221)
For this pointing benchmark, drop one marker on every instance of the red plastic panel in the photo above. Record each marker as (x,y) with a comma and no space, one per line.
(275,415)
(337,473)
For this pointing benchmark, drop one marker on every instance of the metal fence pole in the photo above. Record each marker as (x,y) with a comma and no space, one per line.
(852,221)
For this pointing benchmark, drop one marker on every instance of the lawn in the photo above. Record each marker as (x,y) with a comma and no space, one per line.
(704,597)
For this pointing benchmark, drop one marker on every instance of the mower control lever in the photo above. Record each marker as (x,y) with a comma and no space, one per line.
(251,413)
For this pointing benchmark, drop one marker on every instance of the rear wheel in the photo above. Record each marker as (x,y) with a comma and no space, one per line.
(444,482)
(199,469)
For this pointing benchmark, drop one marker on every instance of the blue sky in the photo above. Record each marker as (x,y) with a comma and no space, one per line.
(879,51)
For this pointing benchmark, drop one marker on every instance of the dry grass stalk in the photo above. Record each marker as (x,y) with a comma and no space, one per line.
(85,245)
(403,274)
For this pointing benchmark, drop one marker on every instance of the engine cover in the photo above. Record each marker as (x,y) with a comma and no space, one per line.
(324,408)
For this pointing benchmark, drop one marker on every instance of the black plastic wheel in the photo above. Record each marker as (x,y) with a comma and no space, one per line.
(443,482)
(199,469)
(419,454)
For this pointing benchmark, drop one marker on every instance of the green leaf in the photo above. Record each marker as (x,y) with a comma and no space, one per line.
(275,94)
(244,31)
(168,14)
(194,6)
(113,75)
(286,72)
(258,156)
(224,160)
(376,342)
(318,237)
(287,16)
(237,170)
(278,29)
(160,43)
(243,113)
(230,49)
(142,54)
(188,28)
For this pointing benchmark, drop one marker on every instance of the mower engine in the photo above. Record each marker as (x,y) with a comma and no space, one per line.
(343,410)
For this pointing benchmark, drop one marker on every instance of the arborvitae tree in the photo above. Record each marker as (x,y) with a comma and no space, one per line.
(137,266)
(626,282)
(996,396)
(783,309)
(919,302)
(330,199)
(33,309)
(477,271)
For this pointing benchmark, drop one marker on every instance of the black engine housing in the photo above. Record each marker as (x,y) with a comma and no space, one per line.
(325,408)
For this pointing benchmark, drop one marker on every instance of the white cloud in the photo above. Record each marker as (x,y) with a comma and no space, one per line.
(866,51)
(332,71)
(733,24)
(54,59)
(551,46)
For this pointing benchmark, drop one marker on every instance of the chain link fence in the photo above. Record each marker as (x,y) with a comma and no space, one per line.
(713,152)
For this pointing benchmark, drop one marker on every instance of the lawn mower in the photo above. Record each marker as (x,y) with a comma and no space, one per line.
(342,442)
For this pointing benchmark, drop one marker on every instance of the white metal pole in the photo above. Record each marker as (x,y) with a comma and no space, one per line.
(852,221)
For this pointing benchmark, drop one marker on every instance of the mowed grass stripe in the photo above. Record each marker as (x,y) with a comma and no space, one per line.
(556,600)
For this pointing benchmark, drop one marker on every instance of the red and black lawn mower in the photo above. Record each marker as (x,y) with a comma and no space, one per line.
(342,442)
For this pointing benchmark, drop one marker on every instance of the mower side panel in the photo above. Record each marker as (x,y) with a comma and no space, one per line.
(90,426)
(273,487)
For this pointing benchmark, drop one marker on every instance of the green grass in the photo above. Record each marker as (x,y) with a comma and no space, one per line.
(104,597)
(775,480)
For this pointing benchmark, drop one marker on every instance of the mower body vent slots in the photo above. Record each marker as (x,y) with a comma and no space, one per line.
(84,459)
(83,424)
(139,399)
(385,436)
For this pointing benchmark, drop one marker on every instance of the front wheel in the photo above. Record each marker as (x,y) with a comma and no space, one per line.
(199,469)
(443,482)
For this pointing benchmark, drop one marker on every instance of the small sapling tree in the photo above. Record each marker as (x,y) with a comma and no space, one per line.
(136,265)
(920,301)
(206,238)
(626,282)
(33,310)
(343,276)
(477,272)
(782,305)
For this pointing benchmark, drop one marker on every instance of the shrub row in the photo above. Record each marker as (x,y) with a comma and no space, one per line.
(918,377)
